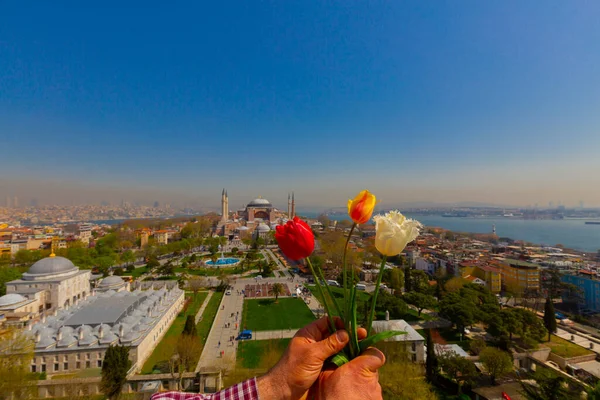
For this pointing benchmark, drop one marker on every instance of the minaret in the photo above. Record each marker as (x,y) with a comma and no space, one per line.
(289,207)
(223,205)
(293,206)
(226,206)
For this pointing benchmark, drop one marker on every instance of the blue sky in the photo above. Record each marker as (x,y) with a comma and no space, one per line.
(418,101)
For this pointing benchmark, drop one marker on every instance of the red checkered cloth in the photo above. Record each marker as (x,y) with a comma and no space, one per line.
(246,390)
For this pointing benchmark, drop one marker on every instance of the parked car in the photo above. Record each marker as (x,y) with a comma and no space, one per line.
(228,293)
(245,335)
(360,286)
(333,283)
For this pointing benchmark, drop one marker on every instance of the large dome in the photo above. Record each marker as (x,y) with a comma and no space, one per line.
(111,282)
(10,299)
(263,228)
(260,202)
(52,266)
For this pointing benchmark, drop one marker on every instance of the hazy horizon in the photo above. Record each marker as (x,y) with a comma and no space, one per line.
(494,103)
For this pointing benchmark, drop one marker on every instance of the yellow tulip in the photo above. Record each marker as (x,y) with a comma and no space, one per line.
(361,208)
(393,231)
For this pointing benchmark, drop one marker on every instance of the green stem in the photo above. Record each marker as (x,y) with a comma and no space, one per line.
(320,290)
(374,298)
(346,317)
(333,299)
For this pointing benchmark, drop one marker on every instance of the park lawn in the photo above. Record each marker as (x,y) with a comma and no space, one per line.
(266,315)
(255,353)
(564,348)
(174,330)
(208,316)
(136,273)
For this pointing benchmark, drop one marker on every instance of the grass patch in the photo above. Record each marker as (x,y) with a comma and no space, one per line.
(204,325)
(165,347)
(564,348)
(266,315)
(136,273)
(260,353)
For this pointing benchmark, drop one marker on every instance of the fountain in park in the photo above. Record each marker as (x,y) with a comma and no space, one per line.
(223,261)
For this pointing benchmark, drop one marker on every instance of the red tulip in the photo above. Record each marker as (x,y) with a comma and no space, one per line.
(295,239)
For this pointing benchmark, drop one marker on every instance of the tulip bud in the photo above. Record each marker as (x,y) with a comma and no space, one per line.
(295,239)
(361,208)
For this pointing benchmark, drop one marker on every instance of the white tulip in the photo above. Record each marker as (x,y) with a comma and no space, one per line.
(393,232)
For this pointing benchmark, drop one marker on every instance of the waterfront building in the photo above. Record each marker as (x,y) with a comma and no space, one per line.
(77,338)
(589,285)
(518,275)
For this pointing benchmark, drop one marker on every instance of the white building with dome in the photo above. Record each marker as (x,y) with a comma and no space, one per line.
(77,338)
(51,283)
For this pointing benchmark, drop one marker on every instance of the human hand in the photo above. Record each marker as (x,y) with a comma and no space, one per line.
(303,360)
(357,379)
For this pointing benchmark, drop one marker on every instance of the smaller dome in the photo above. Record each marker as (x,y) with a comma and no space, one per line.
(263,228)
(111,281)
(11,299)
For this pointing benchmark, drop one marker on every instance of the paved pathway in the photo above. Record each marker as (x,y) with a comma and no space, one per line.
(201,310)
(282,269)
(281,334)
(218,351)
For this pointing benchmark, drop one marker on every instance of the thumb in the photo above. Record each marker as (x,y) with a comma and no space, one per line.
(333,344)
(370,360)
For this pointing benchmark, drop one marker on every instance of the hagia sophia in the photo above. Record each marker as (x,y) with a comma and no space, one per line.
(255,219)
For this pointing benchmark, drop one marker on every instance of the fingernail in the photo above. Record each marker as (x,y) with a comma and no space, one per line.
(342,336)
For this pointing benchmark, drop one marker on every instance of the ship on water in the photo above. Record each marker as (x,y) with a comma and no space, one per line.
(592,222)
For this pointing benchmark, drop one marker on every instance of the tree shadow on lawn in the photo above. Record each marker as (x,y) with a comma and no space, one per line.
(266,302)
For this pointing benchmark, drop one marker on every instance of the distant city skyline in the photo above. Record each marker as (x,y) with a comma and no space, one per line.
(314,198)
(493,103)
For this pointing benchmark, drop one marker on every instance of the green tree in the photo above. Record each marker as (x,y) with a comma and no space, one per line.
(7,274)
(114,371)
(419,281)
(420,301)
(16,353)
(166,269)
(407,282)
(431,364)
(549,317)
(128,257)
(152,262)
(395,280)
(593,393)
(190,326)
(277,290)
(457,368)
(549,386)
(23,257)
(497,363)
(459,310)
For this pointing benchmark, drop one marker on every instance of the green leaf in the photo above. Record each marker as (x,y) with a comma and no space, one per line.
(340,359)
(371,340)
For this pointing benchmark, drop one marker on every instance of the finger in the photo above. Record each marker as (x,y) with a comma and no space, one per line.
(317,330)
(370,360)
(362,333)
(331,345)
